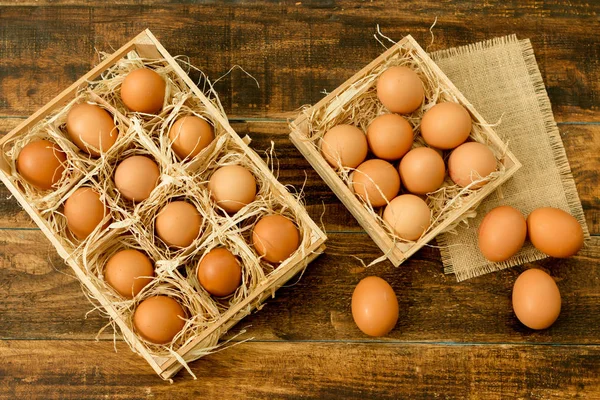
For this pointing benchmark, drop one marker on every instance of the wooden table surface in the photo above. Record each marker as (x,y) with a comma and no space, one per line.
(453,340)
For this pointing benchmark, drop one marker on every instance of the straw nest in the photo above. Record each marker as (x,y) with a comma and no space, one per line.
(358,105)
(132,225)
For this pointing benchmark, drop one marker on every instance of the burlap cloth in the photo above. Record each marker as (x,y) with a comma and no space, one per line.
(502,80)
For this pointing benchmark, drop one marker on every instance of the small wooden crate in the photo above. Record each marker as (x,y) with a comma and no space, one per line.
(397,252)
(147,46)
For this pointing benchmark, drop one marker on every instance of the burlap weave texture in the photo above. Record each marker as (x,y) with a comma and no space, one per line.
(502,80)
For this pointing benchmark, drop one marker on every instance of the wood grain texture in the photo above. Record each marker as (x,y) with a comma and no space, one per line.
(294,49)
(581,143)
(453,340)
(309,370)
(43,301)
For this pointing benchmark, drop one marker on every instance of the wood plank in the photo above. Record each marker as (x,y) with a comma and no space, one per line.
(581,143)
(86,370)
(40,300)
(295,50)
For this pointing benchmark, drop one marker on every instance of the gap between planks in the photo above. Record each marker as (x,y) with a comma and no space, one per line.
(334,341)
(285,120)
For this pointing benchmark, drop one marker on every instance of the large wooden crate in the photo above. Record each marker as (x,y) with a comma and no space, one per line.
(396,251)
(145,45)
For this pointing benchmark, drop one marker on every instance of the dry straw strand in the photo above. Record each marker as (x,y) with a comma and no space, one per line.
(131,225)
(358,105)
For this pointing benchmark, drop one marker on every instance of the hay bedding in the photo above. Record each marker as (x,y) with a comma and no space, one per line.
(132,225)
(358,105)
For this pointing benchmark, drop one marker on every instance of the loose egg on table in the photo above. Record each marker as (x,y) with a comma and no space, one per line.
(446,125)
(344,145)
(376,182)
(232,187)
(536,299)
(374,306)
(400,90)
(275,238)
(189,135)
(408,216)
(42,164)
(422,170)
(502,233)
(128,272)
(91,128)
(470,162)
(136,177)
(390,137)
(219,272)
(555,232)
(84,211)
(143,90)
(178,224)
(159,319)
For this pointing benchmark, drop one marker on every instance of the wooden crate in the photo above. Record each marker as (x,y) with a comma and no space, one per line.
(147,46)
(397,252)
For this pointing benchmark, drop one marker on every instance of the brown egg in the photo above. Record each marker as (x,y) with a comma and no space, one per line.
(178,224)
(400,89)
(446,125)
(190,135)
(502,233)
(470,162)
(374,306)
(536,299)
(390,137)
(159,319)
(143,90)
(232,187)
(275,238)
(345,144)
(136,177)
(422,170)
(408,216)
(41,163)
(376,182)
(555,232)
(128,272)
(219,272)
(91,128)
(84,211)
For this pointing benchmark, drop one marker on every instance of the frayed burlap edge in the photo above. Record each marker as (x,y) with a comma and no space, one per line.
(558,151)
